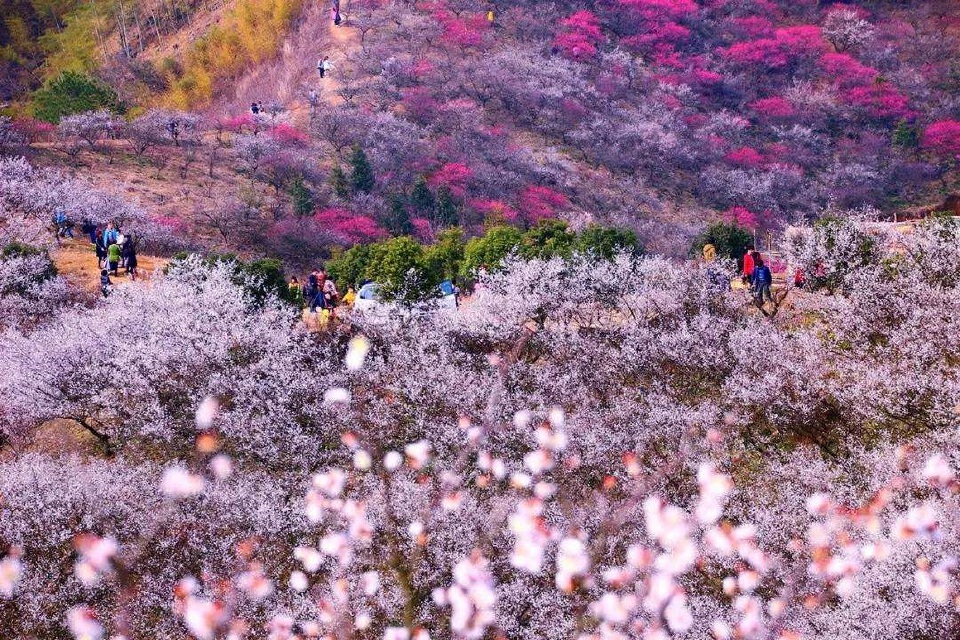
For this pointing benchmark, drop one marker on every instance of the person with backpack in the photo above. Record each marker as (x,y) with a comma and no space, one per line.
(762,279)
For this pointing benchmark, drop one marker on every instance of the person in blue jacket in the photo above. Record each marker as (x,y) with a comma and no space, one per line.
(110,235)
(761,281)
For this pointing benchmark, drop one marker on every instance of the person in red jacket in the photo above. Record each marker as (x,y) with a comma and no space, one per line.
(748,265)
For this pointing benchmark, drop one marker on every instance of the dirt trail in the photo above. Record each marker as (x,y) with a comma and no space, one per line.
(76,261)
(340,42)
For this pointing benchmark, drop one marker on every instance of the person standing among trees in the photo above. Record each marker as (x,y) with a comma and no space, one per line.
(64,226)
(330,294)
(130,257)
(761,280)
(315,292)
(113,257)
(106,286)
(295,290)
(101,248)
(110,234)
(748,265)
(349,297)
(324,65)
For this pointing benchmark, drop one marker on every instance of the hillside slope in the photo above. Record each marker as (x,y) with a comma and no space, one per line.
(656,115)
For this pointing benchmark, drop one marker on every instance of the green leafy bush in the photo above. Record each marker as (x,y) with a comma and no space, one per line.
(490,249)
(730,240)
(604,243)
(71,93)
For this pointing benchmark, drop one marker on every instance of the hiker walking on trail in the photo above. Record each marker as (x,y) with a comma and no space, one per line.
(324,65)
(64,226)
(336,13)
(105,284)
(762,279)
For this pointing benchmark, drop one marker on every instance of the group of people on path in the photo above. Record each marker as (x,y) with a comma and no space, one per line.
(323,64)
(319,293)
(114,250)
(757,274)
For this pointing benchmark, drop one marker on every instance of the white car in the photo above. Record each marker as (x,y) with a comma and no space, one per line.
(369,299)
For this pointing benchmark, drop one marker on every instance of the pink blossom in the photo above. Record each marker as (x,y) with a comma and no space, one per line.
(494,209)
(943,138)
(350,227)
(580,34)
(454,175)
(773,107)
(537,203)
(745,157)
(287,134)
(845,70)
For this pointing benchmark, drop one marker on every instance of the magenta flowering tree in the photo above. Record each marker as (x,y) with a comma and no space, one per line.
(786,48)
(743,217)
(745,157)
(455,176)
(495,210)
(349,227)
(288,135)
(943,139)
(773,108)
(536,203)
(579,36)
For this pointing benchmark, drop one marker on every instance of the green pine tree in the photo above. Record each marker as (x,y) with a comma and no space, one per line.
(361,175)
(399,223)
(421,199)
(70,93)
(447,211)
(302,197)
(905,136)
(338,181)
